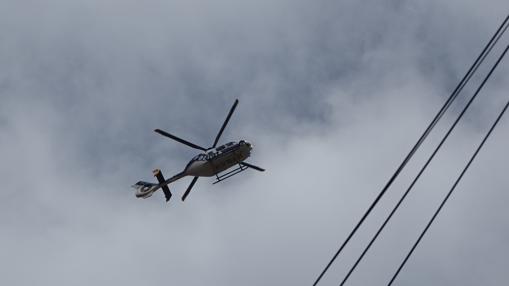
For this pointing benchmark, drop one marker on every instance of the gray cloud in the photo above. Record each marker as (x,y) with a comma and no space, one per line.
(331,94)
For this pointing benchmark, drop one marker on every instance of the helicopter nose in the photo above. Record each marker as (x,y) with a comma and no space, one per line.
(249,146)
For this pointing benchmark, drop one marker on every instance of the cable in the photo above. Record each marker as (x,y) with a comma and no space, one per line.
(451,190)
(425,165)
(432,124)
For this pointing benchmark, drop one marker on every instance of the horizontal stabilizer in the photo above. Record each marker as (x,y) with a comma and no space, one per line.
(160,178)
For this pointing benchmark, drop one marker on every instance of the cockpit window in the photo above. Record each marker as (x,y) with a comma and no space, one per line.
(200,157)
(211,155)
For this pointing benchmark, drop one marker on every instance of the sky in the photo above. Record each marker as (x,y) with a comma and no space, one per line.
(333,94)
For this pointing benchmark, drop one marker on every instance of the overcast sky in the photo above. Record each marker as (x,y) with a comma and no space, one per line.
(333,94)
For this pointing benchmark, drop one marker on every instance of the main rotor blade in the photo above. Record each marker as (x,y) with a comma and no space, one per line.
(164,133)
(252,166)
(225,122)
(189,188)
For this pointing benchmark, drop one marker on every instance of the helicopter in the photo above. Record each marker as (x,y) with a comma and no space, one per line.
(213,161)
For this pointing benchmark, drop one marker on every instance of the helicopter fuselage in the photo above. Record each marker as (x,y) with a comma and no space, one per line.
(222,158)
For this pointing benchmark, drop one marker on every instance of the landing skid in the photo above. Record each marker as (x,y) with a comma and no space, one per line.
(222,177)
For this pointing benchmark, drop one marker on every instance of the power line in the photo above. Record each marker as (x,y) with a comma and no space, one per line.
(425,134)
(452,188)
(428,161)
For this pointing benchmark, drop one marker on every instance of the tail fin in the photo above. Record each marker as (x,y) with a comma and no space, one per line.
(145,189)
(160,178)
